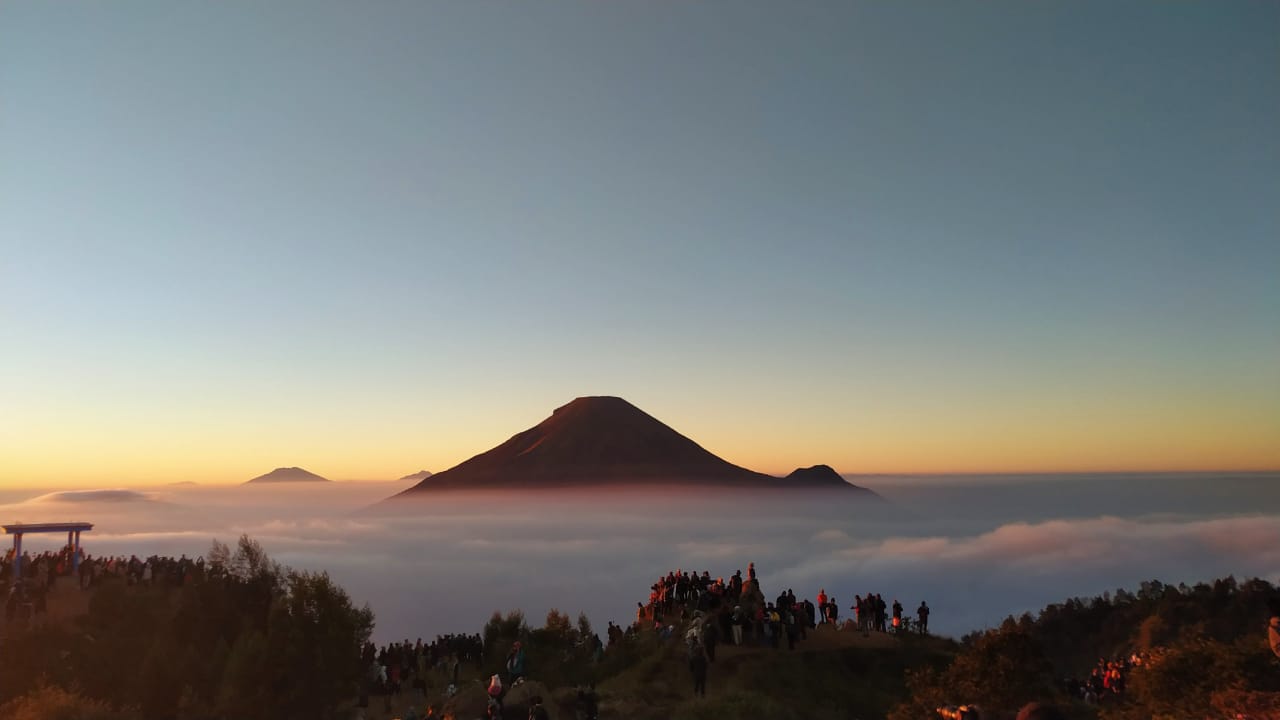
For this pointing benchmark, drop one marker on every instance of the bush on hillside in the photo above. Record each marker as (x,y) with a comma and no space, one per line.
(49,702)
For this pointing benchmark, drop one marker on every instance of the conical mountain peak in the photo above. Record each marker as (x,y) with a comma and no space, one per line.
(596,441)
(287,475)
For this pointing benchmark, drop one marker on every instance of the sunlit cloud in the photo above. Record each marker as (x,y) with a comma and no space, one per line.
(444,566)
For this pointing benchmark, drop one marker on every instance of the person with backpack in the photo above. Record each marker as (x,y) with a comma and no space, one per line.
(515,664)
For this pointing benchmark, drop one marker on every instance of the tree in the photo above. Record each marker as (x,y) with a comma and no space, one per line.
(585,632)
(998,670)
(558,626)
(314,640)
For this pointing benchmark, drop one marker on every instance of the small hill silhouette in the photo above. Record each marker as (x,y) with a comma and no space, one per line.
(420,475)
(596,441)
(287,475)
(817,474)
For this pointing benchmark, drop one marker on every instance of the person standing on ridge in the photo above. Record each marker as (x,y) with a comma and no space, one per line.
(922,613)
(822,604)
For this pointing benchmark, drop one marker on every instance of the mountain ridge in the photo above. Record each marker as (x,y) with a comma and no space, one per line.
(607,441)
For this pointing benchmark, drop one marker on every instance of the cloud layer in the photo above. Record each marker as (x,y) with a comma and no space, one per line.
(444,565)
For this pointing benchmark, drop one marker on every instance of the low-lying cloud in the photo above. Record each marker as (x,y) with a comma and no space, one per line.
(445,564)
(93,496)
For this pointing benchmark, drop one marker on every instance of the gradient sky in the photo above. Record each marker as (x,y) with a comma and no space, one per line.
(370,238)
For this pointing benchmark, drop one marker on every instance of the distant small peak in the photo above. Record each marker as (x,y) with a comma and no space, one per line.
(816,473)
(288,474)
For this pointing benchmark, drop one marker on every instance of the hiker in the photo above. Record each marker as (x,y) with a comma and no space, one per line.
(710,636)
(515,664)
(495,696)
(897,616)
(775,626)
(922,613)
(794,628)
(698,666)
(1273,626)
(822,604)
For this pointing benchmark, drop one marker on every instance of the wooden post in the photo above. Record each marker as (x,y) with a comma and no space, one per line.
(17,558)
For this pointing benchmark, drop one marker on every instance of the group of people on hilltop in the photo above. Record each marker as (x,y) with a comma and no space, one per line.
(679,593)
(43,570)
(41,573)
(871,613)
(715,610)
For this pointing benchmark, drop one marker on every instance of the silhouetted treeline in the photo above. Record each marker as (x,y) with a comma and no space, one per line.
(252,640)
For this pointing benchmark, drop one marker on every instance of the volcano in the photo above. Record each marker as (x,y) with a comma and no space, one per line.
(287,475)
(607,441)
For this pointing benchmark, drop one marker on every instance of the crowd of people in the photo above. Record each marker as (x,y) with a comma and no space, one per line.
(26,597)
(412,665)
(711,611)
(1106,681)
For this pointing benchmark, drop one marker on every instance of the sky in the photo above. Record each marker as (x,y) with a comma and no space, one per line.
(368,239)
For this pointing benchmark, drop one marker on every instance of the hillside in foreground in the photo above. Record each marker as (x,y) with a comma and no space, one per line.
(241,637)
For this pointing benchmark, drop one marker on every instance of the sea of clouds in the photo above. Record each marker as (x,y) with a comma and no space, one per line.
(977,548)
